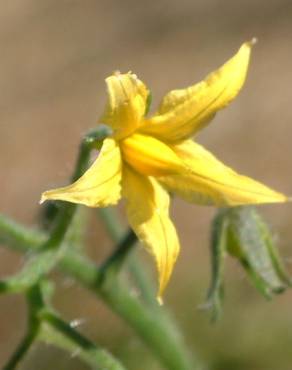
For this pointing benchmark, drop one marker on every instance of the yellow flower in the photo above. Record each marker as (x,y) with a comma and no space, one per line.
(145,158)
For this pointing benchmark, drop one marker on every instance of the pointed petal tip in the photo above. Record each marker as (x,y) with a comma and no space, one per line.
(253,41)
(48,195)
(284,198)
(277,198)
(249,44)
(43,199)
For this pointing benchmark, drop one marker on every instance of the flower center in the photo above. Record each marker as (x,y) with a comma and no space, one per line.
(150,156)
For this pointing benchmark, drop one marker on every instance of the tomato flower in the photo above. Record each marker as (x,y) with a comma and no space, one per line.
(146,158)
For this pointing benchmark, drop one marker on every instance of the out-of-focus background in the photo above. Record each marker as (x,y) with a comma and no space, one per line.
(55,55)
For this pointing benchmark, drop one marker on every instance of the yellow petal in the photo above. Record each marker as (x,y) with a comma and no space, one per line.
(126,105)
(100,185)
(211,182)
(183,112)
(147,209)
(150,156)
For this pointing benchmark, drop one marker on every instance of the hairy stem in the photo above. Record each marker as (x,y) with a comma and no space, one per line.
(116,232)
(21,350)
(156,331)
(59,333)
(114,262)
(48,254)
(34,303)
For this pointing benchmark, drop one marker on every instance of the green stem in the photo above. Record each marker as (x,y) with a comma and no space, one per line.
(32,331)
(116,232)
(21,351)
(46,325)
(143,282)
(48,254)
(19,237)
(58,332)
(63,222)
(76,234)
(116,259)
(156,331)
(111,223)
(36,267)
(65,215)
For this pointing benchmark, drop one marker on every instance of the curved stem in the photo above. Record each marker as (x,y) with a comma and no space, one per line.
(21,351)
(48,254)
(61,334)
(116,232)
(65,215)
(111,223)
(157,331)
(114,262)
(34,303)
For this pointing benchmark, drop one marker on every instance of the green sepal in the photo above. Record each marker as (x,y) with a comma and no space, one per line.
(251,242)
(218,246)
(242,233)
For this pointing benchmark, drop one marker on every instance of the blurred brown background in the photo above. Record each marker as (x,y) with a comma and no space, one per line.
(54,58)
